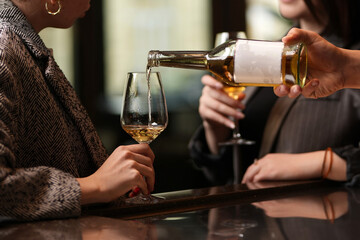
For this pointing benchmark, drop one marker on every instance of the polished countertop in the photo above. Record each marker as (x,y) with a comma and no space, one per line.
(268,210)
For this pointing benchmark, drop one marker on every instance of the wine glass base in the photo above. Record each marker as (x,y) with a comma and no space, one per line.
(237,141)
(144,199)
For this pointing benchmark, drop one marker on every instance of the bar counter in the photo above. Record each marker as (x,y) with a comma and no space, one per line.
(267,210)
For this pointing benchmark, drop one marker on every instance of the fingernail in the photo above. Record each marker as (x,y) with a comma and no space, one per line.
(239,115)
(279,89)
(131,194)
(231,125)
(294,90)
(218,85)
(136,190)
(282,90)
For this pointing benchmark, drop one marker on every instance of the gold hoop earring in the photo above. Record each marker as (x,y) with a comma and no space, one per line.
(53,13)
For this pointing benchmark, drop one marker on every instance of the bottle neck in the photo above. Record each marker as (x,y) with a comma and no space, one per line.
(178,59)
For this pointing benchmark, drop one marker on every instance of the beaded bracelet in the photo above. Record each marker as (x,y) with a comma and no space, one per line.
(325,174)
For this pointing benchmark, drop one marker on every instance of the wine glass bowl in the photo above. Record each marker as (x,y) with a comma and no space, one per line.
(233,92)
(144,115)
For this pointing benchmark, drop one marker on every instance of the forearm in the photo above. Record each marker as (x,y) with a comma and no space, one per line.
(336,167)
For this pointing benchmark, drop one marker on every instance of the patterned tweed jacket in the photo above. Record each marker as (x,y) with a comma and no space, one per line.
(46,136)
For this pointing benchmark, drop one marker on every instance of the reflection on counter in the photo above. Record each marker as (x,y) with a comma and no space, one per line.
(333,215)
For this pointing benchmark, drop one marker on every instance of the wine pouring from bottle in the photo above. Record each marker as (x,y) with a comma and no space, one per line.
(242,62)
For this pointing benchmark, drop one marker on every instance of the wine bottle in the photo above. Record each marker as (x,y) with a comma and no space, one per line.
(242,62)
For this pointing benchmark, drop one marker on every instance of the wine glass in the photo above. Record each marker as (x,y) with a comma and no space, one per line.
(144,114)
(232,91)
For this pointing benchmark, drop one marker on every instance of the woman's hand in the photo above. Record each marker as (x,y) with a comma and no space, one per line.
(124,170)
(326,66)
(283,166)
(300,166)
(215,108)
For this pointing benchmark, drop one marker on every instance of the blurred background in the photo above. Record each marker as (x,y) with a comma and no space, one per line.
(115,38)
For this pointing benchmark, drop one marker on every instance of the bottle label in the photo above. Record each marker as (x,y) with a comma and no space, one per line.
(258,62)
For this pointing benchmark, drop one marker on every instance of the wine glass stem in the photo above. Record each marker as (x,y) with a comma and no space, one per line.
(236,131)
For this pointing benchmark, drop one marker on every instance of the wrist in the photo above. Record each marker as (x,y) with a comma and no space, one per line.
(338,170)
(90,190)
(333,166)
(351,68)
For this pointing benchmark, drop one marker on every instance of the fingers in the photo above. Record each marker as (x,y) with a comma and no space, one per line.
(145,167)
(138,176)
(214,100)
(146,181)
(296,35)
(142,149)
(293,36)
(208,80)
(212,108)
(251,172)
(218,93)
(210,115)
(221,97)
(139,159)
(281,90)
(293,92)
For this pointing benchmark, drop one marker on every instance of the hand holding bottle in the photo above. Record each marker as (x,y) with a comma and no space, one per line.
(329,69)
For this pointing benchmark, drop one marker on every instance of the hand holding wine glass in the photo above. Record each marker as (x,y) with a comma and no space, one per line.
(144,114)
(122,170)
(232,91)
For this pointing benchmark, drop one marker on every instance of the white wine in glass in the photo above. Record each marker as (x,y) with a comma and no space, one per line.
(144,114)
(233,91)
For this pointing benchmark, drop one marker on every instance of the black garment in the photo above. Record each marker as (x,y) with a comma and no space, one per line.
(218,169)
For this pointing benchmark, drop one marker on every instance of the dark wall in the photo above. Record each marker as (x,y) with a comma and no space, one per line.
(228,16)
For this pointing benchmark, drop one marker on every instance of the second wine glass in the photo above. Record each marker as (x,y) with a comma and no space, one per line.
(233,92)
(144,114)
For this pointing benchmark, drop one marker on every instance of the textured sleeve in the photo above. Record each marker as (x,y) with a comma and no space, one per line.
(28,193)
(352,156)
(217,168)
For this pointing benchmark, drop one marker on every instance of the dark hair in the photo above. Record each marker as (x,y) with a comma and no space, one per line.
(343,16)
